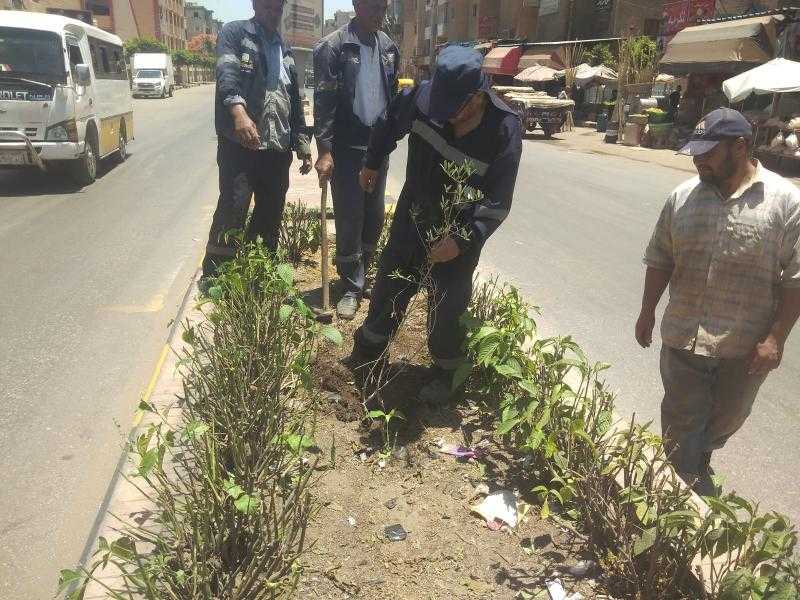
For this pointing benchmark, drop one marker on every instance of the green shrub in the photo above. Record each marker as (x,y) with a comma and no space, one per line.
(301,232)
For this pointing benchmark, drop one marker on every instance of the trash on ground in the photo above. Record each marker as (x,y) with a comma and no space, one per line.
(556,590)
(381,463)
(390,503)
(395,533)
(580,569)
(460,452)
(481,489)
(498,509)
(351,521)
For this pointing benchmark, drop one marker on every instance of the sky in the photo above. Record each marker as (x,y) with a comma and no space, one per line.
(230,10)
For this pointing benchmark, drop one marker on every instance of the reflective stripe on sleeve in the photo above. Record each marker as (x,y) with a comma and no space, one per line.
(496,214)
(450,153)
(227,59)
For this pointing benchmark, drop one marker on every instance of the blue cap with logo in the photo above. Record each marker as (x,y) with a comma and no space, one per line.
(458,75)
(716,126)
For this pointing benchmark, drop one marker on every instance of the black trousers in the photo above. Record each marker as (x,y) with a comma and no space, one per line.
(245,174)
(448,296)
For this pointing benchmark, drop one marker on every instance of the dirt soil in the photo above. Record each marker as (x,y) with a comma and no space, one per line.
(364,487)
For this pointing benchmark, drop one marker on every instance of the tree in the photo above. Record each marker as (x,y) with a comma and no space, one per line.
(600,54)
(145,44)
(183,57)
(203,44)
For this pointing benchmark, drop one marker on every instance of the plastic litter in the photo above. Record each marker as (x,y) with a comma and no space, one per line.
(351,521)
(460,452)
(556,590)
(395,533)
(581,568)
(390,503)
(498,509)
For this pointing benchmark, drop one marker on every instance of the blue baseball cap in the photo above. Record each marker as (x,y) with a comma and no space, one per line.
(716,126)
(457,76)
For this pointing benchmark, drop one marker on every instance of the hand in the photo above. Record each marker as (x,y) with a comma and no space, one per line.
(245,130)
(305,168)
(324,167)
(444,250)
(766,356)
(367,178)
(644,328)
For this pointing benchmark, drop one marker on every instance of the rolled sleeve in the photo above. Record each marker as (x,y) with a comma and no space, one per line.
(658,254)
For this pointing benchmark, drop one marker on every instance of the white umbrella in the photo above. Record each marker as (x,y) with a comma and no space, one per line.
(775,77)
(536,74)
(586,74)
(665,78)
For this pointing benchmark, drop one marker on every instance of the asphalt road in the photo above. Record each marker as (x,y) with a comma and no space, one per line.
(573,244)
(91,279)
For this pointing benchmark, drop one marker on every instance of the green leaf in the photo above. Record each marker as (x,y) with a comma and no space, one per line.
(298,443)
(333,335)
(233,490)
(195,429)
(180,577)
(149,460)
(67,578)
(782,590)
(529,386)
(462,373)
(215,293)
(285,311)
(247,504)
(286,273)
(509,370)
(644,542)
(376,414)
(124,548)
(737,585)
(545,512)
(507,425)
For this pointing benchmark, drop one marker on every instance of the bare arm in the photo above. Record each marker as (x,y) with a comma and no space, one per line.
(655,282)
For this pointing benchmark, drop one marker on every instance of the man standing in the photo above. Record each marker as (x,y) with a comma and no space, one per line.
(355,72)
(675,102)
(259,121)
(727,245)
(457,118)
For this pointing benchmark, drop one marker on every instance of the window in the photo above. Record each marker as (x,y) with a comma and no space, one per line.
(474,10)
(108,60)
(652,27)
(75,57)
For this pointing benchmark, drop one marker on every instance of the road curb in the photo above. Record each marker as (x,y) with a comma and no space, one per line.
(121,498)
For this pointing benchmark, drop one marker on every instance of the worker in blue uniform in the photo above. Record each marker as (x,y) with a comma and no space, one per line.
(454,117)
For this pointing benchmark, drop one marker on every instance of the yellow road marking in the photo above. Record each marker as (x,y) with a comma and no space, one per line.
(152,383)
(155,305)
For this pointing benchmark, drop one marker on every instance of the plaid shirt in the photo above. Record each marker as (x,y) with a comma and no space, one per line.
(728,260)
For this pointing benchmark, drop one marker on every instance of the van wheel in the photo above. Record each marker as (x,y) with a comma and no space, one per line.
(122,153)
(84,169)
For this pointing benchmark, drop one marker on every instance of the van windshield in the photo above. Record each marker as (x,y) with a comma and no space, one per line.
(32,54)
(149,74)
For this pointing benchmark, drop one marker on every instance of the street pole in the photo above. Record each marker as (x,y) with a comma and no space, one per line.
(432,57)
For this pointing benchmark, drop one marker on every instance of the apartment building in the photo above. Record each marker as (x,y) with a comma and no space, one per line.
(200,21)
(431,23)
(161,19)
(339,20)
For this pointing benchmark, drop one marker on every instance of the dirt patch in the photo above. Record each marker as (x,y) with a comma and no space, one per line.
(366,486)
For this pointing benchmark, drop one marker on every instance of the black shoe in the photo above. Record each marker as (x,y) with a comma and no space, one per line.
(347,307)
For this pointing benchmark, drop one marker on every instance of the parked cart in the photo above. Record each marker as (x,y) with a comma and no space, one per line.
(537,109)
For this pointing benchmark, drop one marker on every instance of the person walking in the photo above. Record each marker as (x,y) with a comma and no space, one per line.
(726,243)
(259,122)
(454,117)
(355,74)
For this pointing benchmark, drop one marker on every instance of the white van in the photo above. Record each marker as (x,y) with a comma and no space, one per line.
(64,94)
(153,75)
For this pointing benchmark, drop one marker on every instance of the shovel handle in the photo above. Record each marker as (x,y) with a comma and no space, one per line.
(323,215)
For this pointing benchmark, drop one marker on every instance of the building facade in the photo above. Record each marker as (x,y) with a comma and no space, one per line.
(199,20)
(593,19)
(160,19)
(301,29)
(339,20)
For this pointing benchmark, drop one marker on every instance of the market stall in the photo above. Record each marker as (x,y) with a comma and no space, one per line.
(775,132)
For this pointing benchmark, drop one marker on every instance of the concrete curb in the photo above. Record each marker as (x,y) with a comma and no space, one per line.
(122,499)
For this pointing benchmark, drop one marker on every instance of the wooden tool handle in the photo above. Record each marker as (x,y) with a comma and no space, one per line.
(323,215)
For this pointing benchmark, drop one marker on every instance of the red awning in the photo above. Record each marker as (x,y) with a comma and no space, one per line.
(503,60)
